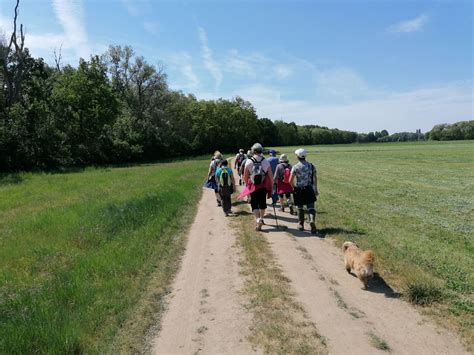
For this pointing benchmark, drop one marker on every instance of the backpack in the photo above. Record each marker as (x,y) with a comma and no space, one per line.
(217,162)
(224,178)
(257,174)
(286,174)
(240,159)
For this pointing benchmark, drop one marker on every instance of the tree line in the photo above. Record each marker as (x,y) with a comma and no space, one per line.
(117,108)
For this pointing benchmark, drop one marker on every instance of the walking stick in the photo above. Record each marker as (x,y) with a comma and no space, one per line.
(276,219)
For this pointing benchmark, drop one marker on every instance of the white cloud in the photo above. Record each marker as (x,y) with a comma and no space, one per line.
(188,72)
(397,111)
(181,62)
(209,62)
(282,71)
(131,7)
(235,63)
(152,27)
(341,83)
(70,14)
(409,26)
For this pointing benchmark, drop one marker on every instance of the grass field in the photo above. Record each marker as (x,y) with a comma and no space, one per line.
(413,203)
(78,253)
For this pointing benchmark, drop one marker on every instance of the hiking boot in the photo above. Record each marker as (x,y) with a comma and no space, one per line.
(312,221)
(282,208)
(300,219)
(219,204)
(292,211)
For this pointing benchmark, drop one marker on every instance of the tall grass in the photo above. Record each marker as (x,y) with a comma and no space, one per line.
(78,250)
(413,204)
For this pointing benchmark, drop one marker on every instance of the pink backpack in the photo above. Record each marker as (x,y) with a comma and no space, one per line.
(286,175)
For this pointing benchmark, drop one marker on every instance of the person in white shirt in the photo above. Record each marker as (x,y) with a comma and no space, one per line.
(257,176)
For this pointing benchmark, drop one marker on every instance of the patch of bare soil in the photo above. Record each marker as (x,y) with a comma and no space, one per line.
(351,319)
(206,312)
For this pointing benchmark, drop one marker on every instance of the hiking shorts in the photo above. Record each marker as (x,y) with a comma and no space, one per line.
(304,195)
(258,199)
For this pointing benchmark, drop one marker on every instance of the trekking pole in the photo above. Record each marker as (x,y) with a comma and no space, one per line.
(276,219)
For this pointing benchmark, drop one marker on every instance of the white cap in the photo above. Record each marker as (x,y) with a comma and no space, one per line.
(301,153)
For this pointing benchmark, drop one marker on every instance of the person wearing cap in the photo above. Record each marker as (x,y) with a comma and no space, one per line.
(239,159)
(273,160)
(211,175)
(304,180)
(281,179)
(257,168)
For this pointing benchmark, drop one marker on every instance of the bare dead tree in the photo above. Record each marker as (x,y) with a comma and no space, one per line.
(13,52)
(58,57)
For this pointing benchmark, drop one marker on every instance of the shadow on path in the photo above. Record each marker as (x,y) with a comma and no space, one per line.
(378,285)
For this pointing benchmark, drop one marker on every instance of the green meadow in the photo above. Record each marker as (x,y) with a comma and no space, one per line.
(86,257)
(79,251)
(413,204)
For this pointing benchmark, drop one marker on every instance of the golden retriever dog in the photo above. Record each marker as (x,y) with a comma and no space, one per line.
(361,262)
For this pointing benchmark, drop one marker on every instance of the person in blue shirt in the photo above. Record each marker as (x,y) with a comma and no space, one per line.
(273,160)
(226,185)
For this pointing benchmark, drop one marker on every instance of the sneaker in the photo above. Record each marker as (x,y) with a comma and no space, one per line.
(282,209)
(300,226)
(313,227)
(260,224)
(219,204)
(291,210)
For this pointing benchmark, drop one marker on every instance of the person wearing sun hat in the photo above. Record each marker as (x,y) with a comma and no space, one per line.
(305,182)
(273,160)
(282,181)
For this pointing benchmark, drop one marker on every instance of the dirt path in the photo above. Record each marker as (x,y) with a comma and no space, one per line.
(206,312)
(352,320)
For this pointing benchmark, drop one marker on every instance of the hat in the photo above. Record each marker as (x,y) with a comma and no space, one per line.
(257,148)
(272,152)
(283,158)
(301,153)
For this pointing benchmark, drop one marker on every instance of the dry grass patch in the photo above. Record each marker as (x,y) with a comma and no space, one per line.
(279,323)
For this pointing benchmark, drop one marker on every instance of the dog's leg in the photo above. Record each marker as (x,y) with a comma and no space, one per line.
(348,266)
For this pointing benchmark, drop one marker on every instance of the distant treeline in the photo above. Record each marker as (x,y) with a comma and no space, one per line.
(117,108)
(448,132)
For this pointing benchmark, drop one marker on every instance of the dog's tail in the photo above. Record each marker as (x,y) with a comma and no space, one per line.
(369,256)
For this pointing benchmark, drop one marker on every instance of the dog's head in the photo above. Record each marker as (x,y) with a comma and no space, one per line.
(347,245)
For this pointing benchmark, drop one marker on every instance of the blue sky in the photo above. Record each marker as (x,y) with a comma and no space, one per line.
(358,65)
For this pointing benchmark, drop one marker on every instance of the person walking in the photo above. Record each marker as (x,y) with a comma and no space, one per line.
(226,185)
(211,175)
(273,161)
(305,182)
(282,183)
(259,180)
(239,160)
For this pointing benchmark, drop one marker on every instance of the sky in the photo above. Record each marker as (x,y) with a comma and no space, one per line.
(357,65)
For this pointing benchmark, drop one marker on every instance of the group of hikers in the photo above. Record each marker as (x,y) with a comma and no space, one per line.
(264,178)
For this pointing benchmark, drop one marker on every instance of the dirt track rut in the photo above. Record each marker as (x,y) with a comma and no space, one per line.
(206,308)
